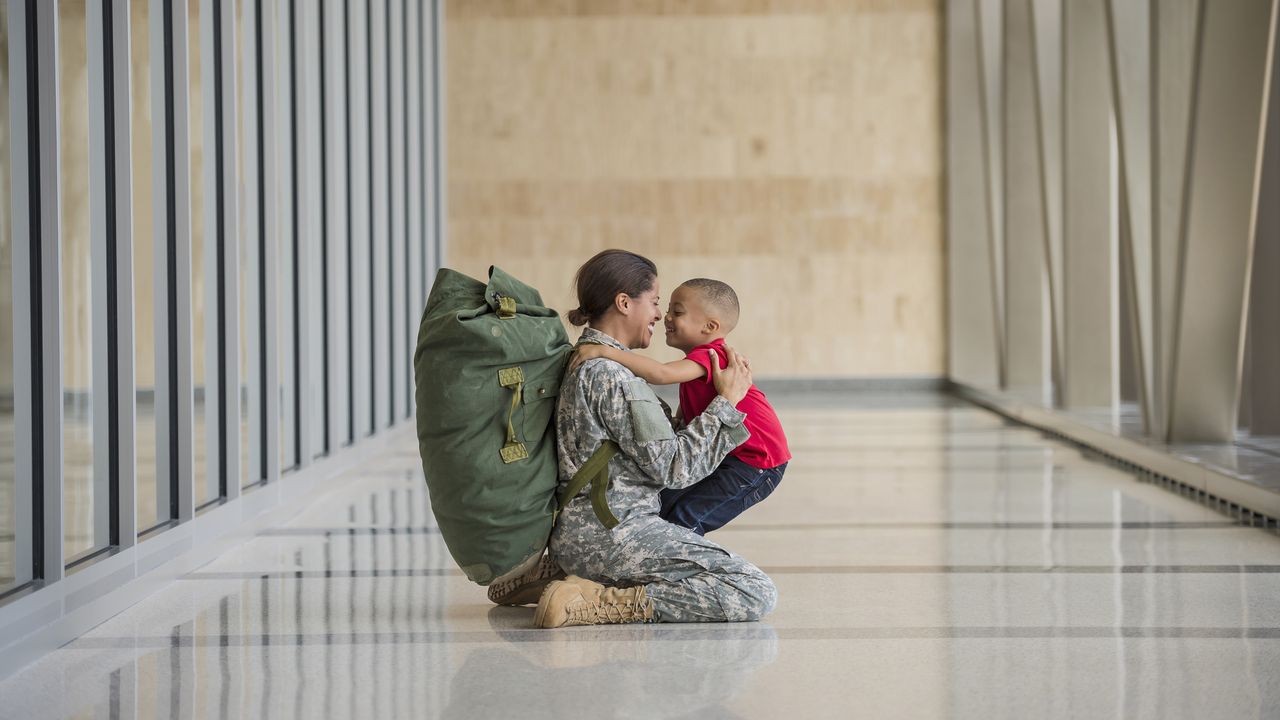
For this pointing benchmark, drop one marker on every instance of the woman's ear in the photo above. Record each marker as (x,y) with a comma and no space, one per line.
(622,303)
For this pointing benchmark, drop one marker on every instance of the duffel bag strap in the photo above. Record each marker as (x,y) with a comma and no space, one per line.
(506,306)
(512,378)
(595,471)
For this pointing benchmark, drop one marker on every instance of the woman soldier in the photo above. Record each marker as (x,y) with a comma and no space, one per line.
(645,569)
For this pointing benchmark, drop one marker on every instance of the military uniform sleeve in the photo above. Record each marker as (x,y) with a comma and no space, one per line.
(634,418)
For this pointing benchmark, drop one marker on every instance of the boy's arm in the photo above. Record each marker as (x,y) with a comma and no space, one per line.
(652,371)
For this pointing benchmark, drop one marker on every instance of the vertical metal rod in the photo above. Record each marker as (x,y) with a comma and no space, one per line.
(124,412)
(180,292)
(45,124)
(393,309)
(373,232)
(211,200)
(995,242)
(408,300)
(437,112)
(253,233)
(300,430)
(325,280)
(347,29)
(1171,397)
(97,43)
(1048,199)
(228,246)
(27,202)
(425,141)
(1135,207)
(269,250)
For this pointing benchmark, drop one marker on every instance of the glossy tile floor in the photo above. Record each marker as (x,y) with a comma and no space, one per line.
(931,561)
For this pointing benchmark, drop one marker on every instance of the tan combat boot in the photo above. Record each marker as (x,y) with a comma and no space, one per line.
(527,587)
(577,601)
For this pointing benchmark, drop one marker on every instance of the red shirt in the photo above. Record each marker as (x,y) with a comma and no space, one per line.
(767,446)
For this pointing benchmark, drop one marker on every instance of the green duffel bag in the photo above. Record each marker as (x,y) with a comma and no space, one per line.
(487,369)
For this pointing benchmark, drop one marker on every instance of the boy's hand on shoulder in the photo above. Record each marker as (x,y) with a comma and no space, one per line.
(585,352)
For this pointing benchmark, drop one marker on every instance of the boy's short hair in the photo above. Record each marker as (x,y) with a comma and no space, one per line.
(720,298)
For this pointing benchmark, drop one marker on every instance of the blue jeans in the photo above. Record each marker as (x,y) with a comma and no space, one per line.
(720,497)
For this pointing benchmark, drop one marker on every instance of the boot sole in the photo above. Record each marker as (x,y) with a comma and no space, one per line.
(522,591)
(522,594)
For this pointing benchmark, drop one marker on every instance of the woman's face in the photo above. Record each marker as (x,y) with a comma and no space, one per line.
(644,312)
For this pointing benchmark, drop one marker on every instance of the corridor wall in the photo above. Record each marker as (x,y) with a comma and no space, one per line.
(218,228)
(1112,227)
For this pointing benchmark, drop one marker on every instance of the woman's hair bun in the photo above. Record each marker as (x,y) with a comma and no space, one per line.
(577,317)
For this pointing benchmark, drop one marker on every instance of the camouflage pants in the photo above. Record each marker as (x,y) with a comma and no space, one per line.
(689,578)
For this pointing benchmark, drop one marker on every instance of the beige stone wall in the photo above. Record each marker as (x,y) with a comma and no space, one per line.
(792,148)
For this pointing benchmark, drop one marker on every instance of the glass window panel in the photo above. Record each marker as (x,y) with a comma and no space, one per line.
(359,197)
(206,488)
(413,207)
(285,239)
(8,489)
(78,491)
(249,246)
(335,29)
(380,188)
(152,498)
(316,233)
(395,261)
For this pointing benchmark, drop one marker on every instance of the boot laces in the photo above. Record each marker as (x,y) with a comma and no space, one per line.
(610,612)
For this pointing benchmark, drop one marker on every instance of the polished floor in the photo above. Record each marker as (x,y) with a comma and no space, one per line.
(931,560)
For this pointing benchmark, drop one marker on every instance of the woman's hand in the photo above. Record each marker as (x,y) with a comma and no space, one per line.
(585,352)
(734,380)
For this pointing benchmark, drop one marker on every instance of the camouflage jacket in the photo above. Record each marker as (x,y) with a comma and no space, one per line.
(603,400)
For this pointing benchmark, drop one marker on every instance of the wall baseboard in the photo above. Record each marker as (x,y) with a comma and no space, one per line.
(883,383)
(1186,471)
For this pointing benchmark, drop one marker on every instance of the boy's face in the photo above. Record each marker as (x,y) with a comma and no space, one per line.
(687,321)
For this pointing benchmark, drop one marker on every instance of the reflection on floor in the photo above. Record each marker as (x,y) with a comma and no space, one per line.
(931,561)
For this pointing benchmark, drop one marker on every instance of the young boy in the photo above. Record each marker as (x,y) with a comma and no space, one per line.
(701,314)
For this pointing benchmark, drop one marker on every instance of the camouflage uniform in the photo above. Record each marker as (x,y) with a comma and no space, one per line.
(689,578)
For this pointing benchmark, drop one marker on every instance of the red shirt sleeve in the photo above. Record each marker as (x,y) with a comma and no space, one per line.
(702,356)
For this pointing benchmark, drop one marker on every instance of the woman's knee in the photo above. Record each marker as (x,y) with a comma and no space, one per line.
(758,597)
